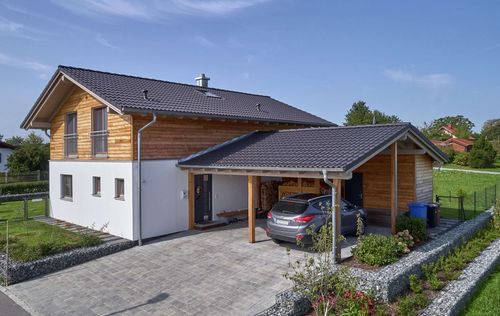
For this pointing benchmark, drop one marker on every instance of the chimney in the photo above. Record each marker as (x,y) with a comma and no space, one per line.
(202,81)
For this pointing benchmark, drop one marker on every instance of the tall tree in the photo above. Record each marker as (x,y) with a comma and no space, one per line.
(361,114)
(31,155)
(1,137)
(491,129)
(482,154)
(462,124)
(15,140)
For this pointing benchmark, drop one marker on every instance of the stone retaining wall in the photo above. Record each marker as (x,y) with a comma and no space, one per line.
(454,297)
(392,280)
(18,272)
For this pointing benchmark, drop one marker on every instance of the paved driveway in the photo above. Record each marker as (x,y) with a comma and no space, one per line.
(206,273)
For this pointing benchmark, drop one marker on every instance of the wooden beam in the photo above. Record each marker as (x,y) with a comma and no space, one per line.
(251,209)
(257,192)
(338,226)
(190,200)
(394,186)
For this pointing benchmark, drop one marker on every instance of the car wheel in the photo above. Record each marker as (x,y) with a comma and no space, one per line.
(277,241)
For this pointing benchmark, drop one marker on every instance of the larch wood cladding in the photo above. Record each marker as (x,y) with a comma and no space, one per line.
(119,129)
(423,170)
(377,182)
(174,138)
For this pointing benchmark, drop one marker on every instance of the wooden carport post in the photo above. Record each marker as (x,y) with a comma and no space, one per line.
(251,208)
(394,186)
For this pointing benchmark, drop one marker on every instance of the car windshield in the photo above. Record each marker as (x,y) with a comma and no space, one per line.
(290,207)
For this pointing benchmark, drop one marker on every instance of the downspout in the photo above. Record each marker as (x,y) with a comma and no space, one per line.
(139,174)
(334,225)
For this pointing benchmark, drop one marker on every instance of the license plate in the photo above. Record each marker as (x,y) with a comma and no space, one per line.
(281,222)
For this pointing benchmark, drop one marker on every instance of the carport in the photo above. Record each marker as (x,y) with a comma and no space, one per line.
(394,160)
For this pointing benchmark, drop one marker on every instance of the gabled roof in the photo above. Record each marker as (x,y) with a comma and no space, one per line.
(461,141)
(338,149)
(449,128)
(7,145)
(124,94)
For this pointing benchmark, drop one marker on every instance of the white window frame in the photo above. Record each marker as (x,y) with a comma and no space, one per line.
(70,136)
(94,191)
(119,195)
(64,194)
(99,135)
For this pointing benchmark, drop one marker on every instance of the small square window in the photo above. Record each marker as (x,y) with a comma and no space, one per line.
(120,189)
(66,187)
(96,186)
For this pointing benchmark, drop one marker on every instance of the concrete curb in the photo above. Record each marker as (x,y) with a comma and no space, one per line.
(455,296)
(19,302)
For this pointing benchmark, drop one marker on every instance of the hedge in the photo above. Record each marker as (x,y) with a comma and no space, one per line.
(24,187)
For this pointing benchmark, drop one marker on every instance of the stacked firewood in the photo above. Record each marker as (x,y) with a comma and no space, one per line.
(269,194)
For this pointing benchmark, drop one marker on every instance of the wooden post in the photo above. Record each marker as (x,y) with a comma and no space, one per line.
(338,224)
(251,209)
(190,200)
(257,192)
(394,186)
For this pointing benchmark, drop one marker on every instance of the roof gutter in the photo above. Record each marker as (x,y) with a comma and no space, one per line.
(139,173)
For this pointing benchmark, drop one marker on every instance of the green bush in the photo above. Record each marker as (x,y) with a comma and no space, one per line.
(90,240)
(449,152)
(415,226)
(415,284)
(461,159)
(378,250)
(24,187)
(482,154)
(406,306)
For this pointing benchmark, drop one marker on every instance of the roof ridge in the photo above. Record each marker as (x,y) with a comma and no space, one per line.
(160,80)
(346,127)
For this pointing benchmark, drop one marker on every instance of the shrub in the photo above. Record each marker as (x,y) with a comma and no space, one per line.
(449,152)
(90,240)
(378,250)
(415,226)
(415,284)
(482,154)
(406,239)
(24,187)
(461,159)
(406,307)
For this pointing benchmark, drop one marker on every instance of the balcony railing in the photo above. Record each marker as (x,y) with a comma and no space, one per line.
(70,145)
(99,143)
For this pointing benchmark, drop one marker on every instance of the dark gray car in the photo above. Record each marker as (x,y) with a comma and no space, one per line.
(290,218)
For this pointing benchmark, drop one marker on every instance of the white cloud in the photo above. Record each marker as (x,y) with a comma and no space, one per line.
(154,10)
(42,70)
(104,42)
(433,81)
(9,26)
(203,41)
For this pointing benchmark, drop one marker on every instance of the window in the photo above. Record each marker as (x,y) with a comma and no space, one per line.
(99,132)
(70,136)
(119,189)
(66,187)
(96,186)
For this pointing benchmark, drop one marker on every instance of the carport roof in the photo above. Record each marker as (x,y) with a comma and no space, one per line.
(338,149)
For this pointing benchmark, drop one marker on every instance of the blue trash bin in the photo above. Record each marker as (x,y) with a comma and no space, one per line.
(418,209)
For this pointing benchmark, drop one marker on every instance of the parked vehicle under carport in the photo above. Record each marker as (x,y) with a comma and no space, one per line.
(292,217)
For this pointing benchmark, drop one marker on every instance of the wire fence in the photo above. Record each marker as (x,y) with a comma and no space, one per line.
(39,175)
(468,206)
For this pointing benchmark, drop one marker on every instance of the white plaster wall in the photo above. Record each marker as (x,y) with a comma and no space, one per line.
(5,152)
(229,193)
(86,209)
(164,198)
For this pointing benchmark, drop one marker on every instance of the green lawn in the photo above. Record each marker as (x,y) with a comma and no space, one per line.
(487,299)
(30,240)
(464,183)
(496,166)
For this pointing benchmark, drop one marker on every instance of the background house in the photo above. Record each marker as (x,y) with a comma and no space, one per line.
(454,142)
(5,151)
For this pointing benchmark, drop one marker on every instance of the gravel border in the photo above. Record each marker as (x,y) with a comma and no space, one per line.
(455,296)
(22,271)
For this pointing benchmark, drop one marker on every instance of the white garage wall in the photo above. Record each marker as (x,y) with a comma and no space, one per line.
(229,193)
(164,198)
(86,209)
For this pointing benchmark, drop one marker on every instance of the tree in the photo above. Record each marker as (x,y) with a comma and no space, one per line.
(482,154)
(31,155)
(360,114)
(463,125)
(491,129)
(1,137)
(15,140)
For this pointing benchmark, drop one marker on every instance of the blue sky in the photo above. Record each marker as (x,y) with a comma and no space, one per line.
(419,59)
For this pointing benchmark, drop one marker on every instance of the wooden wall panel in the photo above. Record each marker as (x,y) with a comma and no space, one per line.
(174,138)
(423,170)
(119,129)
(377,181)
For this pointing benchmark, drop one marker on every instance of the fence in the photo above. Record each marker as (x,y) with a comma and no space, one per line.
(7,177)
(467,206)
